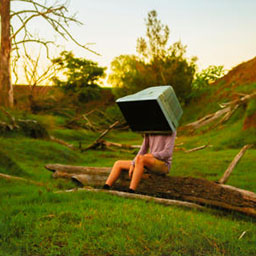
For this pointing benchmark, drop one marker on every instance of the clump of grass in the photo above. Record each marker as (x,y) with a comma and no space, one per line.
(10,166)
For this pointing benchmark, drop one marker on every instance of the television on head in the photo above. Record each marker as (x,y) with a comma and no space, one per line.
(153,110)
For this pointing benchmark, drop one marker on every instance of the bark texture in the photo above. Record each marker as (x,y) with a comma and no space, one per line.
(6,90)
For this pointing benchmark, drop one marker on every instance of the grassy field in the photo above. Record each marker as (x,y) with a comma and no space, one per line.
(36,221)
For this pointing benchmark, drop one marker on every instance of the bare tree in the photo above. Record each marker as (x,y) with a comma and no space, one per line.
(33,71)
(16,39)
(6,90)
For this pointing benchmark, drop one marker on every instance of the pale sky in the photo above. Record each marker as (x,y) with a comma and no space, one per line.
(218,32)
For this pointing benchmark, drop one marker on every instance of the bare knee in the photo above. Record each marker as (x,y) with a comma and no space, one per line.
(140,159)
(117,164)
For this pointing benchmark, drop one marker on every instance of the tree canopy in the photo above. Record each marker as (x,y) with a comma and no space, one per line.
(78,72)
(79,76)
(156,63)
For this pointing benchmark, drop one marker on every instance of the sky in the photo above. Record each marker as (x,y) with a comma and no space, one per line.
(218,32)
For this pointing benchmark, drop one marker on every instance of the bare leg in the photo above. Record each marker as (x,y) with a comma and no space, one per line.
(141,161)
(116,170)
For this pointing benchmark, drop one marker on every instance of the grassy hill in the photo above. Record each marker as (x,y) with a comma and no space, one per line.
(240,128)
(34,220)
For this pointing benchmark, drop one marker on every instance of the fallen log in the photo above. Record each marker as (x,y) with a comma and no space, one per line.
(195,190)
(78,169)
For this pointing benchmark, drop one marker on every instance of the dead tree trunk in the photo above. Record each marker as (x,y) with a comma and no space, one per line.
(6,90)
(188,189)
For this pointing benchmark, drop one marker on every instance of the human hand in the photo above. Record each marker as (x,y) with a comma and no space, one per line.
(131,171)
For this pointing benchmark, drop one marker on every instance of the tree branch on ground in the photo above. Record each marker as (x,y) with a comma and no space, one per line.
(227,110)
(233,164)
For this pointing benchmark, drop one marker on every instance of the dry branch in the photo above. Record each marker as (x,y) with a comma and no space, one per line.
(97,142)
(84,117)
(208,118)
(9,177)
(163,201)
(125,146)
(62,142)
(227,110)
(233,164)
(197,148)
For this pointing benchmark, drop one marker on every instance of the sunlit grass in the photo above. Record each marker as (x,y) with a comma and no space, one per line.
(36,221)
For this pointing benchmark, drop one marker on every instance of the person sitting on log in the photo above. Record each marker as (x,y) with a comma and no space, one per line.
(157,161)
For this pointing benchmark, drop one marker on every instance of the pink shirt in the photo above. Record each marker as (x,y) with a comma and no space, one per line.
(160,146)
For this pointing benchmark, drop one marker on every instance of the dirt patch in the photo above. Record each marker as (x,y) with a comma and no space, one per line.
(244,73)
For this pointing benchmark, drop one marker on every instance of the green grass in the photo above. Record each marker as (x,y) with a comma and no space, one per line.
(36,221)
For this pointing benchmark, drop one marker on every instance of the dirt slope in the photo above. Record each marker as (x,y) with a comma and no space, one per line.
(244,73)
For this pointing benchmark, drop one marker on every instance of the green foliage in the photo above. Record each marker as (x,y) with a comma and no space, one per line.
(203,80)
(81,76)
(128,73)
(157,35)
(208,76)
(79,72)
(157,63)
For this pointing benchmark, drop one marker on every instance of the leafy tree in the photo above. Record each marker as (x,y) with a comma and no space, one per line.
(78,76)
(208,76)
(128,74)
(157,63)
(157,34)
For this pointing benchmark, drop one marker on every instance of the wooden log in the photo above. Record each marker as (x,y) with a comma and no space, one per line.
(195,190)
(78,169)
(233,164)
(82,179)
(245,193)
(157,200)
